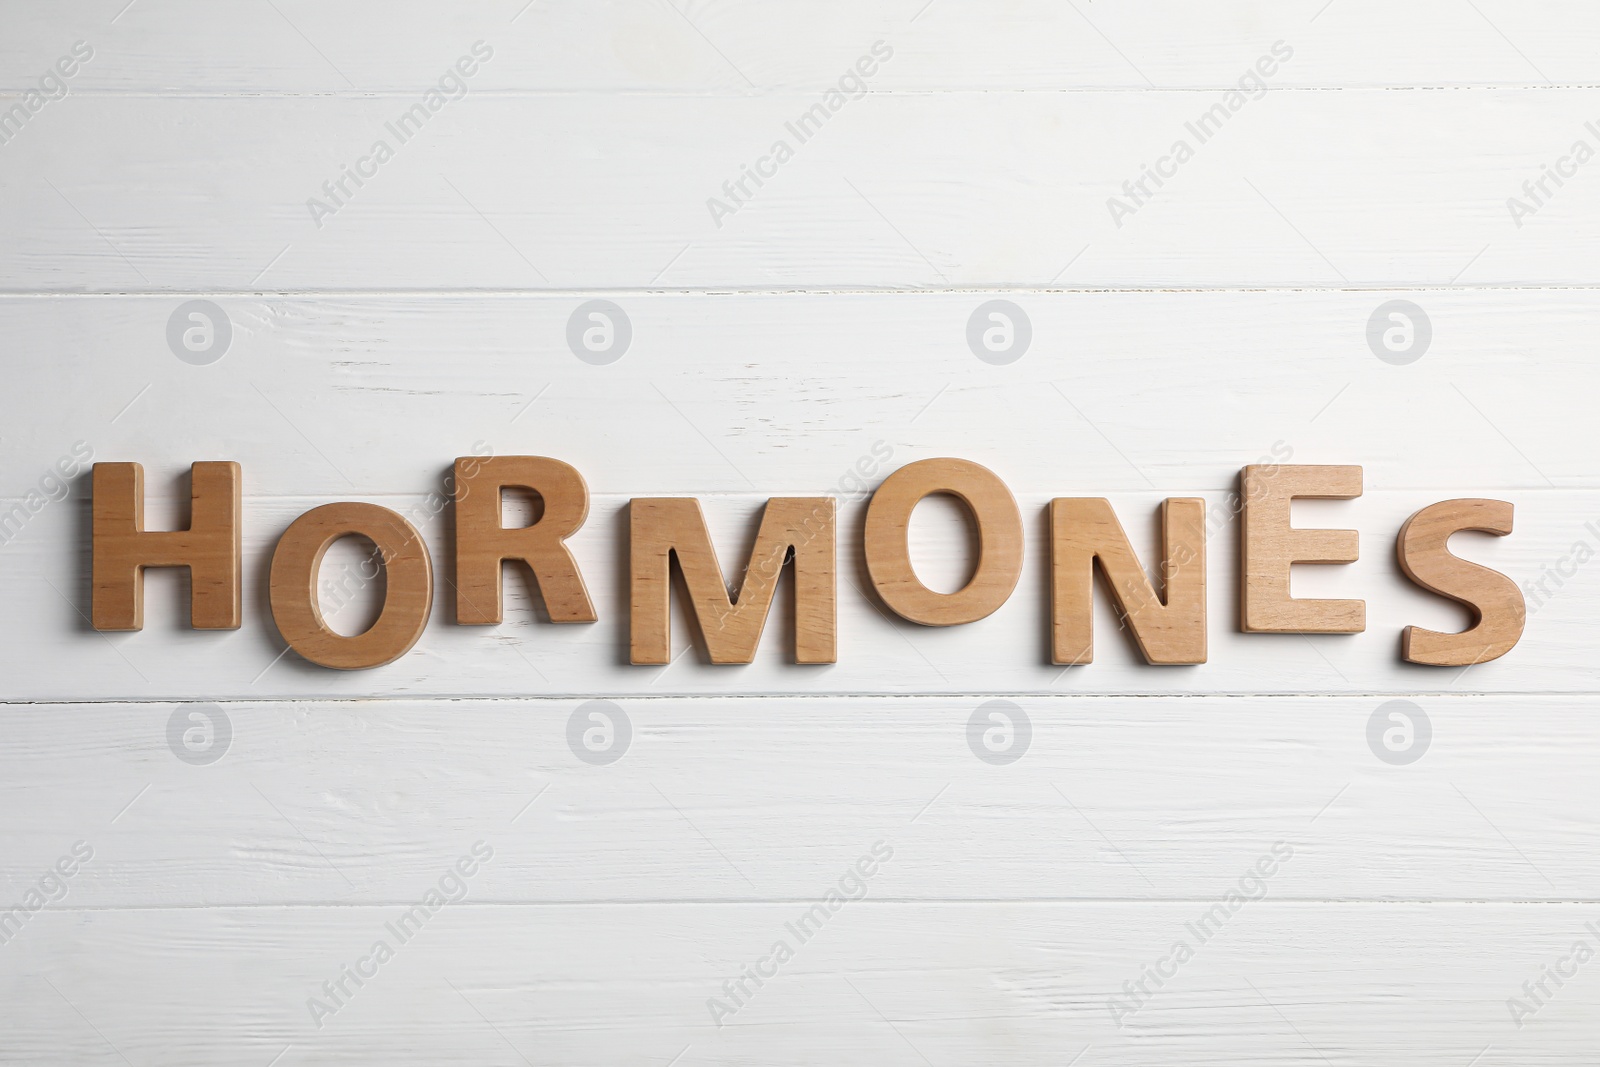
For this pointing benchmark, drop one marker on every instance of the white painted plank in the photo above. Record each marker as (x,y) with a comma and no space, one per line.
(587,191)
(772,394)
(372,399)
(1279,985)
(51,654)
(429,314)
(718,46)
(358,803)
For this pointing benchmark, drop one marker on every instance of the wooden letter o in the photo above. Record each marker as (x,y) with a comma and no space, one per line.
(999,541)
(293,586)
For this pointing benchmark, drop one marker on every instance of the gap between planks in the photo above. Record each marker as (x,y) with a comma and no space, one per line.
(996,286)
(711,695)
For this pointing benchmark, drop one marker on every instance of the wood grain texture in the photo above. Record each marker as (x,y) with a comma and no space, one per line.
(890,194)
(209,548)
(57,657)
(364,47)
(382,400)
(997,525)
(1170,625)
(1269,548)
(1499,611)
(879,984)
(730,253)
(399,557)
(754,799)
(483,544)
(798,530)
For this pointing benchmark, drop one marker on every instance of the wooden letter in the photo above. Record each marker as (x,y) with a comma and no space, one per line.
(1085,530)
(482,544)
(661,528)
(1496,603)
(1269,545)
(999,541)
(408,575)
(210,547)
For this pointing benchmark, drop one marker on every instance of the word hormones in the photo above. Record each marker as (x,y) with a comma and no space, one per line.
(797,534)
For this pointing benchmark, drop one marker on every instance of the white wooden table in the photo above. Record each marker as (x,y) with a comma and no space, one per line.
(243,828)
